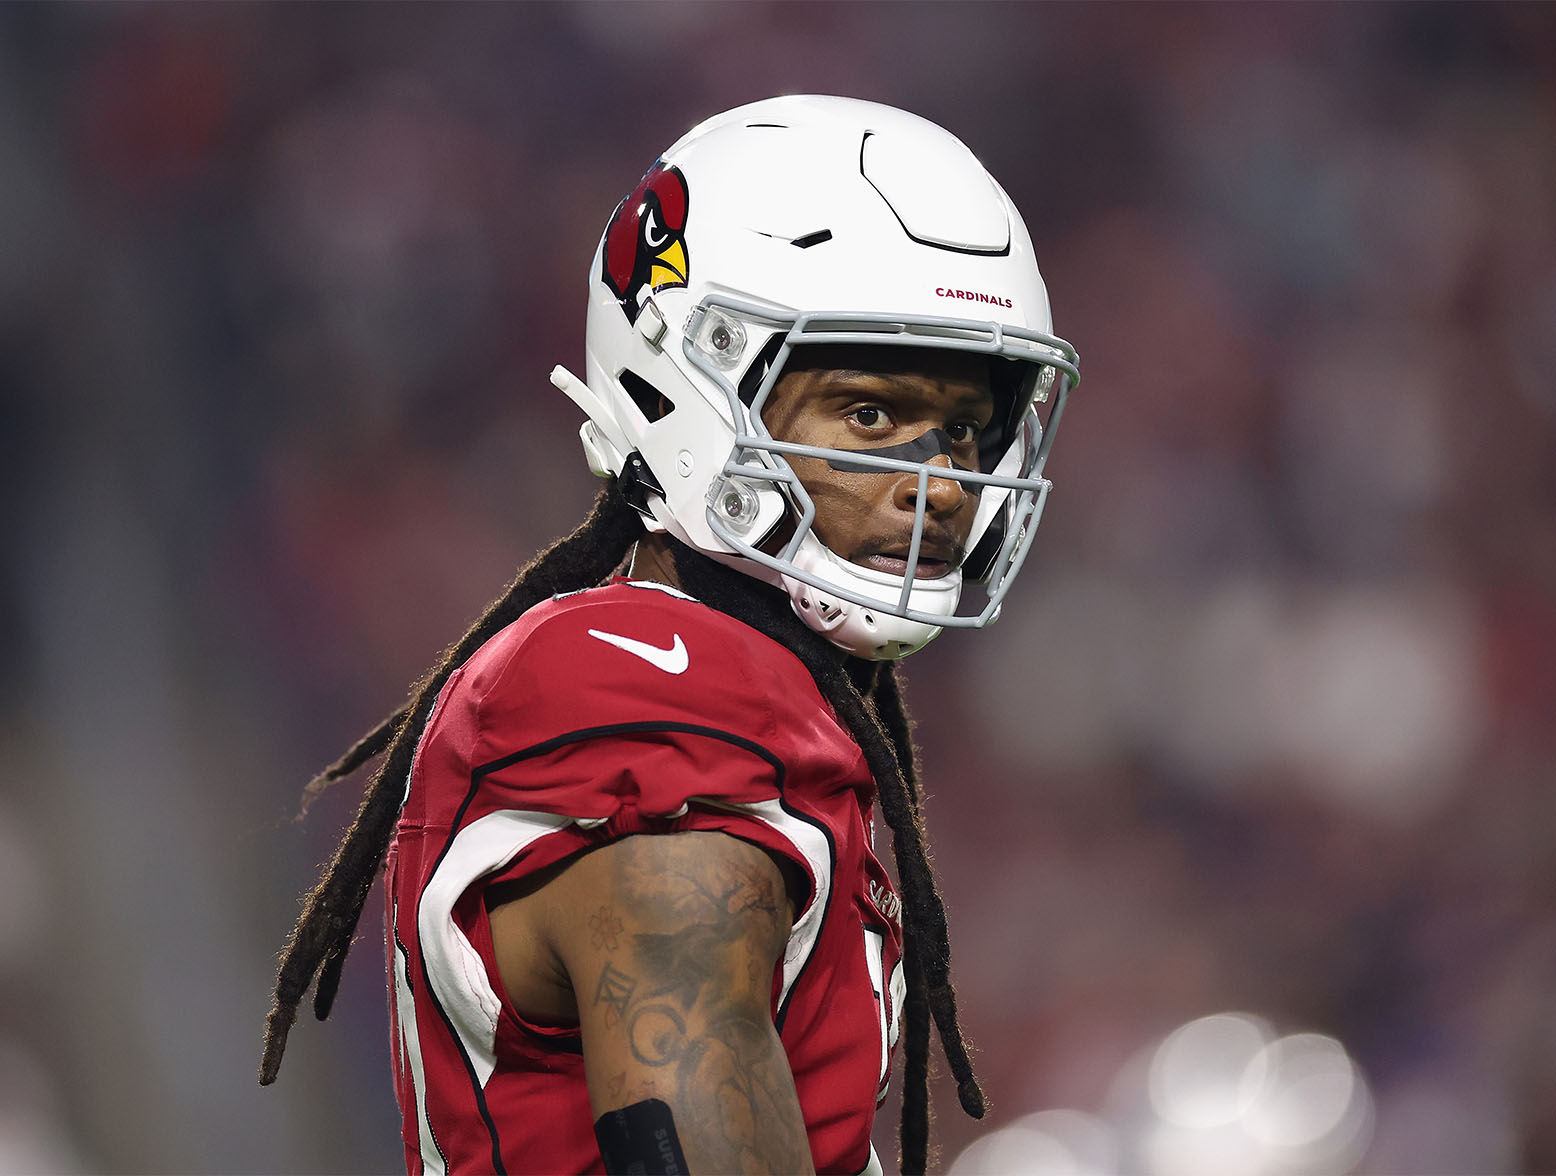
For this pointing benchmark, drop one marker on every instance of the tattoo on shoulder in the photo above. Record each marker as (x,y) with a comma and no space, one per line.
(686,1006)
(614,992)
(605,929)
(709,904)
(657,1034)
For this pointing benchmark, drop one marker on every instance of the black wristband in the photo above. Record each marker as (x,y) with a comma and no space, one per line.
(640,1140)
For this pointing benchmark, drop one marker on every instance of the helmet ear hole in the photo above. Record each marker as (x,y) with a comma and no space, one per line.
(651,402)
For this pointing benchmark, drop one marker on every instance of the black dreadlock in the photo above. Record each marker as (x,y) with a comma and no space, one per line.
(320,940)
(865,696)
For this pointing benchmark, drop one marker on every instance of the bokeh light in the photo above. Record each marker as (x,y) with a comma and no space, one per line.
(1221,1095)
(1231,1097)
(1210,1072)
(1045,1143)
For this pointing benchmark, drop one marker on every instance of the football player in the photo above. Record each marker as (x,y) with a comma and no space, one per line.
(635,917)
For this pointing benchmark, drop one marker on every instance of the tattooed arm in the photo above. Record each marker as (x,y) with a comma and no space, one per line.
(664,949)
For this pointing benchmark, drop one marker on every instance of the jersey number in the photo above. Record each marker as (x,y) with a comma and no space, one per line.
(888,998)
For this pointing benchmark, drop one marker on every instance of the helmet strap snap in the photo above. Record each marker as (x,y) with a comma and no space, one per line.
(637,482)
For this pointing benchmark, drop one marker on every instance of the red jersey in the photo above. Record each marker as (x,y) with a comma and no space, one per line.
(626,709)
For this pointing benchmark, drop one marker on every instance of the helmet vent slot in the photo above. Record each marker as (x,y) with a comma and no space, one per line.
(651,402)
(752,379)
(810,239)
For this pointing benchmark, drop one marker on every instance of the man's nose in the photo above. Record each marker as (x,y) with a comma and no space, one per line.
(943,495)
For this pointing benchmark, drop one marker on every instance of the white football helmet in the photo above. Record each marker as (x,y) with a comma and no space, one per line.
(798,221)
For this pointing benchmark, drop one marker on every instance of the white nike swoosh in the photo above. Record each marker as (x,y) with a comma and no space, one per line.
(672,661)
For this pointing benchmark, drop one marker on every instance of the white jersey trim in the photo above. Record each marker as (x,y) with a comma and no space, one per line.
(812,845)
(455,970)
(409,1042)
(658,587)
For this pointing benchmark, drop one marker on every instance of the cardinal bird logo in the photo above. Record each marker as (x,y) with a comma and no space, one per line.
(645,243)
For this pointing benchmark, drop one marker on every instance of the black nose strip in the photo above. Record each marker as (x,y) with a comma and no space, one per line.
(934,443)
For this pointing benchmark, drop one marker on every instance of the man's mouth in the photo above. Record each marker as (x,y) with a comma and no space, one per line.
(931,565)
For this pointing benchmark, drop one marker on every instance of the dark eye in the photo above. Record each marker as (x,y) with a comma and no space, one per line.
(868,416)
(963,432)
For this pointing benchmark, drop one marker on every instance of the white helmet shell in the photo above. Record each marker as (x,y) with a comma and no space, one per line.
(797,221)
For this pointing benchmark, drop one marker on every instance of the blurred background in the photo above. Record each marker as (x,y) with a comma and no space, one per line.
(1244,813)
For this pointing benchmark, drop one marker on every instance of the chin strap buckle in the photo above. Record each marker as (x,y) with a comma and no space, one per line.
(636,482)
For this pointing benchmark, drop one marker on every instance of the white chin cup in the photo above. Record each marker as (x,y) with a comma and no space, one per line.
(871,633)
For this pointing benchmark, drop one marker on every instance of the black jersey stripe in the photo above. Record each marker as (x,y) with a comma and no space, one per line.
(638,728)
